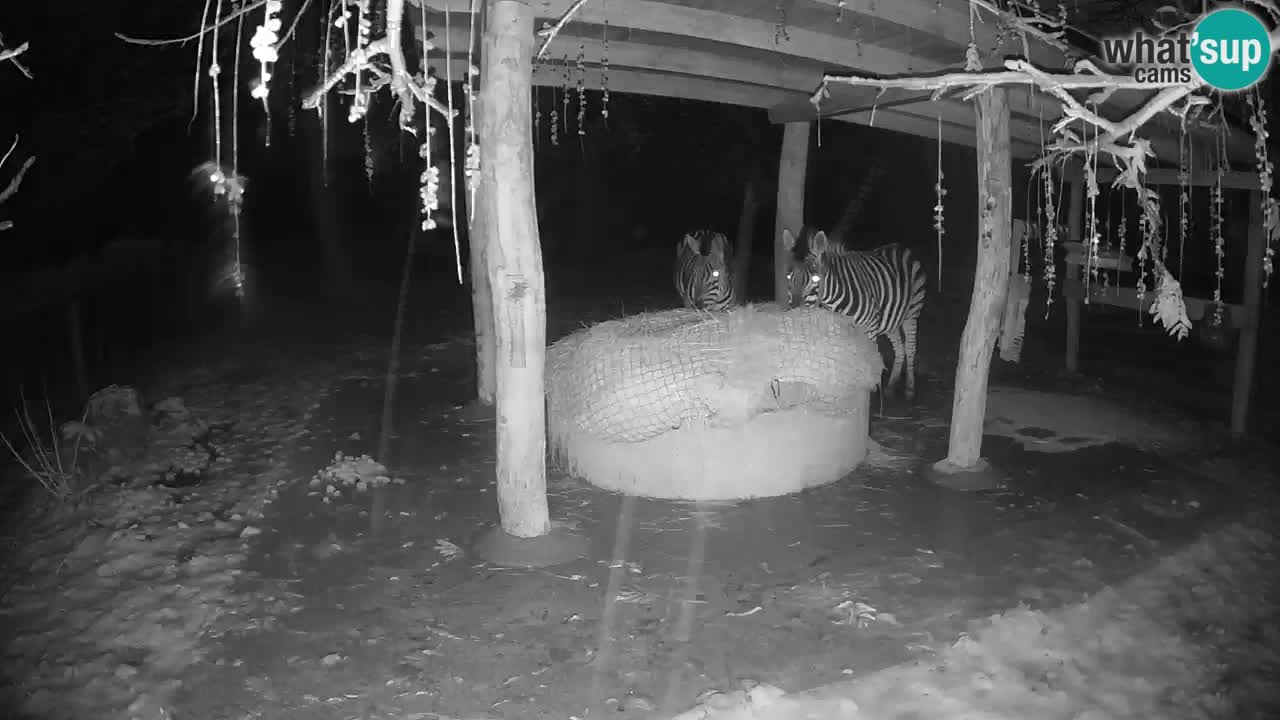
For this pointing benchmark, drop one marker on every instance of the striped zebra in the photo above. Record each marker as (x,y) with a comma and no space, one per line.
(702,271)
(881,289)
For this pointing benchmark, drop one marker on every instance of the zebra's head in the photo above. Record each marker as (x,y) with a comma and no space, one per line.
(807,268)
(714,246)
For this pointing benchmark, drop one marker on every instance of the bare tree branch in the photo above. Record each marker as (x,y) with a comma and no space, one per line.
(402,83)
(549,33)
(12,188)
(11,55)
(195,35)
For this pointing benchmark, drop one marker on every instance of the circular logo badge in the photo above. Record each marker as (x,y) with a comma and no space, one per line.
(1231,49)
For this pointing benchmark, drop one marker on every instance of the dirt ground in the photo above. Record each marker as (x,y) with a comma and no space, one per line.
(1124,572)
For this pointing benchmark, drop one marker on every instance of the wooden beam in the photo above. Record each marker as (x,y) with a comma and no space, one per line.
(848,98)
(1247,349)
(655,83)
(1127,297)
(990,286)
(933,19)
(720,28)
(793,162)
(723,28)
(754,68)
(1022,133)
(924,126)
(1075,234)
(658,84)
(948,21)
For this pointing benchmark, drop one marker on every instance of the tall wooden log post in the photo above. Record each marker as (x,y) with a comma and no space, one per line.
(518,294)
(1247,350)
(1075,234)
(792,165)
(964,468)
(481,297)
(514,260)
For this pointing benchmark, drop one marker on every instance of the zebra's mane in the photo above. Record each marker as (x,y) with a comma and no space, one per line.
(837,246)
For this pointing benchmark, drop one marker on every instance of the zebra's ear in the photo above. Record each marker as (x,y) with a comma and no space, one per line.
(818,243)
(690,242)
(788,240)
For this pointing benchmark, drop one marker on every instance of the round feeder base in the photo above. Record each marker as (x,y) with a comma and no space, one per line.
(557,547)
(773,454)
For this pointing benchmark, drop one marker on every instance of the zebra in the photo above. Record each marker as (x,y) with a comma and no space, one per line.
(882,289)
(702,274)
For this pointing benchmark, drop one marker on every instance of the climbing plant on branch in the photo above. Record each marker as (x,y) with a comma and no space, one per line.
(1084,132)
(10,55)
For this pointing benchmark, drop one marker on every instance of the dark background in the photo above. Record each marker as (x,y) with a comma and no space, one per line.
(111,124)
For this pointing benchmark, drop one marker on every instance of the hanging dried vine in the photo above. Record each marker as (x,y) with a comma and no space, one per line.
(582,89)
(1115,139)
(940,192)
(10,55)
(1266,173)
(1219,243)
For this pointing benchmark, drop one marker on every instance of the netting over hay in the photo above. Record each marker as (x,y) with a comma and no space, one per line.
(635,378)
(685,404)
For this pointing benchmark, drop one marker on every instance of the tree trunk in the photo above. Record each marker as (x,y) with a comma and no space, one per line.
(746,238)
(515,266)
(481,299)
(1247,349)
(792,164)
(991,279)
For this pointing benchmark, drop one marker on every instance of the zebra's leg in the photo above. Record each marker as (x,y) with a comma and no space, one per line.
(895,340)
(910,327)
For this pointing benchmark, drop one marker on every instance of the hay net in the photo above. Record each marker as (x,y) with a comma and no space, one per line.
(637,377)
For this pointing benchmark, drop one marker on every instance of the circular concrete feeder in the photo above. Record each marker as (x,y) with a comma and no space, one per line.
(757,402)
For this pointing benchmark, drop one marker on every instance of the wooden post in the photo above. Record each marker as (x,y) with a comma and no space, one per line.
(745,240)
(481,298)
(515,266)
(1075,234)
(792,164)
(1247,349)
(990,285)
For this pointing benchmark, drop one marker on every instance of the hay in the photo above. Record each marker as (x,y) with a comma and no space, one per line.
(752,460)
(635,378)
(695,405)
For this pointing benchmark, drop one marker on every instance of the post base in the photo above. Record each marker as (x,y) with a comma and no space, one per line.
(476,413)
(557,547)
(976,478)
